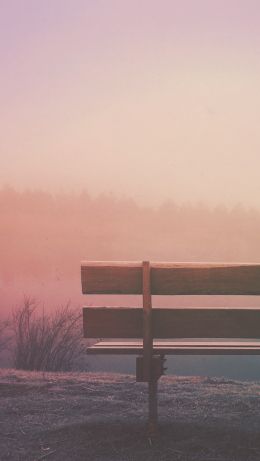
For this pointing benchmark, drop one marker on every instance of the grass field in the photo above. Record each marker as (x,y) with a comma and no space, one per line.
(98,417)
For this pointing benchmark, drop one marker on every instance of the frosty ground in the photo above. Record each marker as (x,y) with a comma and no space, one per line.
(102,417)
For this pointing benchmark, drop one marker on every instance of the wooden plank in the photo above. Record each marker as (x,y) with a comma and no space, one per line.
(205,279)
(103,322)
(111,278)
(209,323)
(178,348)
(171,278)
(172,323)
(179,343)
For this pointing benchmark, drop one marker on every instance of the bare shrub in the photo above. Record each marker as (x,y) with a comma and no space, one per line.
(49,342)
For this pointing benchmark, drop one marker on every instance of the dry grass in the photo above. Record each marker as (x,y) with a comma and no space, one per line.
(101,417)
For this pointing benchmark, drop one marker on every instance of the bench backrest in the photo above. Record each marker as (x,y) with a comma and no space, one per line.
(170,279)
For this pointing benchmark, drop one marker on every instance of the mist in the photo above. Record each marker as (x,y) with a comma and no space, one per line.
(44,237)
(129,131)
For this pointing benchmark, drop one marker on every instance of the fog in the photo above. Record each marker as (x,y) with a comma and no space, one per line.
(44,238)
(129,131)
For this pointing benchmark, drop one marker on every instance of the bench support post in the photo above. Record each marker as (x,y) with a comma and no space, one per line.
(148,351)
(153,412)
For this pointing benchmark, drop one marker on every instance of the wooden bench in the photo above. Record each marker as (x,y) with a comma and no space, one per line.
(151,333)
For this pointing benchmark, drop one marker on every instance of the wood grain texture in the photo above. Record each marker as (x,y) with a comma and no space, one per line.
(172,323)
(171,278)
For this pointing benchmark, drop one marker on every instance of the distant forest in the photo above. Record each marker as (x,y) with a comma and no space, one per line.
(43,233)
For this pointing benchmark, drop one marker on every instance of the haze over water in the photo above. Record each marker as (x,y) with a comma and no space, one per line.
(129,130)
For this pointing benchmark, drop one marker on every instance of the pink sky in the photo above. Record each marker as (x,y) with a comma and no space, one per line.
(149,99)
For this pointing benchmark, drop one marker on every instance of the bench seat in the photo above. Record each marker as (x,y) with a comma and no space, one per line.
(178,347)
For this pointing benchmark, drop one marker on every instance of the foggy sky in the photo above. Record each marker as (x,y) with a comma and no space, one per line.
(144,98)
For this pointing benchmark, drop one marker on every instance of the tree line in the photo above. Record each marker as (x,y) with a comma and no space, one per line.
(42,233)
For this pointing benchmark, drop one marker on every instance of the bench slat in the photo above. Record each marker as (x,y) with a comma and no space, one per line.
(111,278)
(171,278)
(102,322)
(178,348)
